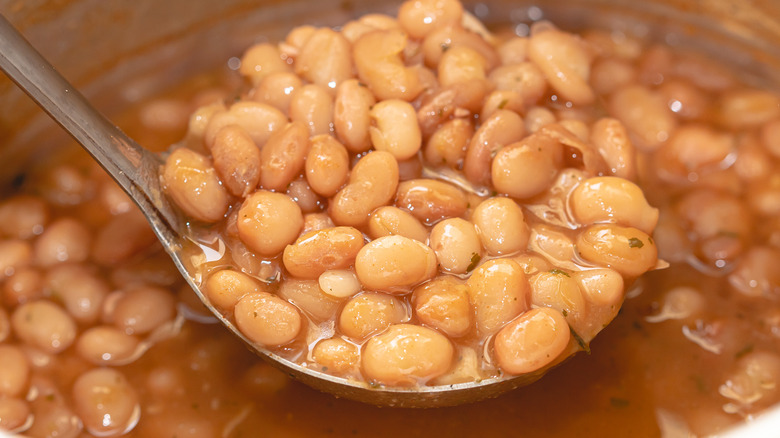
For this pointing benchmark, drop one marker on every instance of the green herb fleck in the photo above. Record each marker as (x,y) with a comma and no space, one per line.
(255,313)
(559,272)
(445,47)
(701,385)
(635,243)
(503,103)
(565,312)
(475,258)
(747,349)
(581,342)
(618,402)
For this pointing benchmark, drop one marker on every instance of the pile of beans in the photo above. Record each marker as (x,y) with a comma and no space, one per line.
(414,200)
(93,336)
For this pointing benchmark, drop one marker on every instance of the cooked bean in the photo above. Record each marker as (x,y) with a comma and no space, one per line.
(267,222)
(282,157)
(431,200)
(419,18)
(612,199)
(710,214)
(388,221)
(684,99)
(23,216)
(645,114)
(14,371)
(198,123)
(225,287)
(313,105)
(443,303)
(370,313)
(526,79)
(501,226)
(441,40)
(532,263)
(106,345)
(192,182)
(756,275)
(558,290)
(66,184)
(64,240)
(457,245)
(296,39)
(513,51)
(447,145)
(258,119)
(607,75)
(325,59)
(267,319)
(261,60)
(770,139)
(379,63)
(14,414)
(625,249)
(394,128)
(236,160)
(339,283)
(354,29)
(123,237)
(106,402)
(528,167)
(44,325)
(323,250)
(372,184)
(601,287)
(351,117)
(532,341)
(552,243)
(80,289)
(336,356)
(142,309)
(15,254)
(316,222)
(565,62)
(307,296)
(537,117)
(502,128)
(276,89)
(303,195)
(406,355)
(327,165)
(498,290)
(611,140)
(747,108)
(394,262)
(461,64)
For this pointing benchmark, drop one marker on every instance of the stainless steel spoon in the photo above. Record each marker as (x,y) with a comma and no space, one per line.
(136,171)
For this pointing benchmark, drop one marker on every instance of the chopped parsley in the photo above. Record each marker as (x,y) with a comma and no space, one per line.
(581,342)
(475,258)
(745,350)
(503,103)
(634,242)
(618,402)
(559,272)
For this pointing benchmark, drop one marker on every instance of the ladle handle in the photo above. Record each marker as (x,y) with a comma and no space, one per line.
(134,168)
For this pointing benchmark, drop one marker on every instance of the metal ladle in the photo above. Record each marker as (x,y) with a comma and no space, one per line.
(136,170)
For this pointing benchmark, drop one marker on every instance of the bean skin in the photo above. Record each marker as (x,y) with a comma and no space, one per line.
(372,184)
(370,313)
(613,199)
(323,250)
(443,303)
(192,182)
(282,157)
(351,115)
(502,128)
(532,341)
(498,290)
(431,200)
(236,160)
(267,319)
(327,165)
(625,249)
(267,222)
(394,262)
(406,355)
